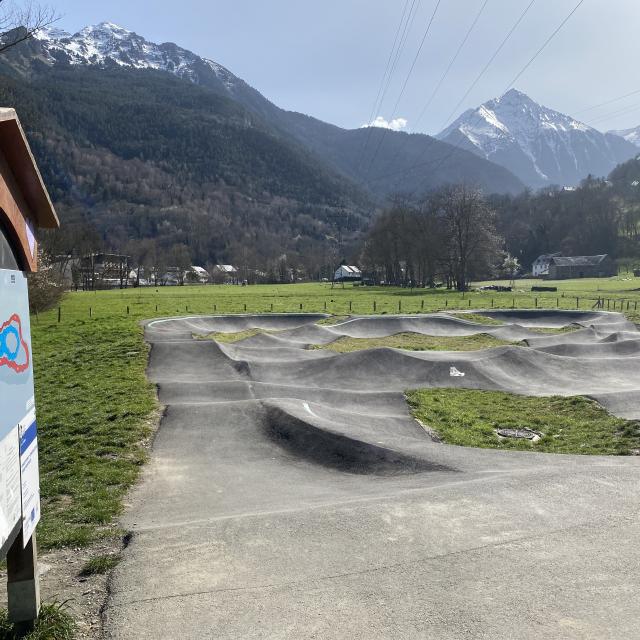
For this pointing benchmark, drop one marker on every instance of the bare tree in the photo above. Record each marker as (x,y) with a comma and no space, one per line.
(469,223)
(20,21)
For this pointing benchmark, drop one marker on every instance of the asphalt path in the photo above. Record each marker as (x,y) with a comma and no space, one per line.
(291,495)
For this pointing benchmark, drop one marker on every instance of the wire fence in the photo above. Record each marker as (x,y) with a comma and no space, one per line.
(147,306)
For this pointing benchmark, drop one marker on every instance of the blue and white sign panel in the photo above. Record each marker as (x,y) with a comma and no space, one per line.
(19,481)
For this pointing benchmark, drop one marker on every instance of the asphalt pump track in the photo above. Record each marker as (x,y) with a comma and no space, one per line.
(291,495)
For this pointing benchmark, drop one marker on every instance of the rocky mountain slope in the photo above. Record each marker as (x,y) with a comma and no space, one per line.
(540,145)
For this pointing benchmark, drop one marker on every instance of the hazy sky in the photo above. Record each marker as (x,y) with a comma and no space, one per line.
(326,58)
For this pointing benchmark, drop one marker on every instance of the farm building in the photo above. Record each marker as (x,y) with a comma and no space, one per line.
(197,275)
(346,273)
(540,266)
(564,267)
(224,274)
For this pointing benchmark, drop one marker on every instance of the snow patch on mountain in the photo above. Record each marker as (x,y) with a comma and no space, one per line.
(107,44)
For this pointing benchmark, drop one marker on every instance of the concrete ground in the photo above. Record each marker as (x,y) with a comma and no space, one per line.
(290,494)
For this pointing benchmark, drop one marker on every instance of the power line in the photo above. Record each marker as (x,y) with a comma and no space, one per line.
(452,62)
(544,45)
(386,71)
(405,26)
(604,104)
(630,108)
(490,61)
(474,83)
(442,78)
(406,80)
(524,68)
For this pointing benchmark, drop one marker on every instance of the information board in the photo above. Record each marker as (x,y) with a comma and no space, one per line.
(19,482)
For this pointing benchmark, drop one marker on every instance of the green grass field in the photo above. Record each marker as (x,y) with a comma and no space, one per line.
(96,410)
(470,418)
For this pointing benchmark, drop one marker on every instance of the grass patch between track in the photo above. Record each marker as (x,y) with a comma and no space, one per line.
(575,424)
(476,317)
(230,338)
(415,342)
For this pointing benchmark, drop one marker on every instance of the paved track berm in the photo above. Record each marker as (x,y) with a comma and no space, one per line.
(291,495)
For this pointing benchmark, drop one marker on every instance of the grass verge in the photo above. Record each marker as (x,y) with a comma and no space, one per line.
(54,623)
(576,424)
(95,410)
(415,342)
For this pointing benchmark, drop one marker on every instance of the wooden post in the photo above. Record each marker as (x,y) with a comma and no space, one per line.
(350,305)
(536,302)
(492,303)
(23,588)
(90,312)
(127,309)
(422,305)
(59,314)
(399,306)
(272,306)
(245,306)
(374,306)
(301,306)
(469,302)
(577,303)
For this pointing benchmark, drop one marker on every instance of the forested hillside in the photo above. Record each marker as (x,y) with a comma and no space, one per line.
(143,154)
(599,216)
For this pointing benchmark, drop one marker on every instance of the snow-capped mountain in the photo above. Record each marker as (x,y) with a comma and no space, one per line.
(108,44)
(540,145)
(630,135)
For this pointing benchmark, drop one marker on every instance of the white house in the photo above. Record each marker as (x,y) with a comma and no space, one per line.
(541,264)
(347,273)
(224,274)
(197,275)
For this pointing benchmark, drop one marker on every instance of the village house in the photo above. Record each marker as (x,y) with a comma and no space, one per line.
(197,275)
(565,267)
(540,266)
(103,271)
(224,274)
(347,273)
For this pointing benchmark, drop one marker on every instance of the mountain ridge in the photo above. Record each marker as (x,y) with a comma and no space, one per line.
(108,44)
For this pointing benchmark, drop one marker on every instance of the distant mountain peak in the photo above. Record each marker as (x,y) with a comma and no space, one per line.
(540,145)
